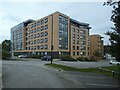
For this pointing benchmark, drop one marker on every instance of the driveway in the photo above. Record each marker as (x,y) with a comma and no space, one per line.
(34,74)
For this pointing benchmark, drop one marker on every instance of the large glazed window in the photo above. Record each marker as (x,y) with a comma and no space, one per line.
(63,32)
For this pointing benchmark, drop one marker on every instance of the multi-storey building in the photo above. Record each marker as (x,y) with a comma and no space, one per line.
(56,32)
(96,46)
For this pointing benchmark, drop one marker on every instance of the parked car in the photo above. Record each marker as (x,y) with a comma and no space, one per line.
(22,56)
(114,62)
(46,58)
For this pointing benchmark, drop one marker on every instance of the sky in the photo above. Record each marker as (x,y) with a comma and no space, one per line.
(94,13)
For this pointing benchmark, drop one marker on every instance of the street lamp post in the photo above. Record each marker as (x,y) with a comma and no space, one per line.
(52,41)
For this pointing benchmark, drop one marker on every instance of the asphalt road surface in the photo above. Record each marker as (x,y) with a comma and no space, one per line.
(34,74)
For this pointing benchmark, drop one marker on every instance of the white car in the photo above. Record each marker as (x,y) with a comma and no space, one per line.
(114,62)
(22,56)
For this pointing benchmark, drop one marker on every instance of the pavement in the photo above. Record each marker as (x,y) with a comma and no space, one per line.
(34,74)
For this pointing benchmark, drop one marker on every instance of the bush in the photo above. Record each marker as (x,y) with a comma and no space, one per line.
(67,58)
(35,56)
(83,59)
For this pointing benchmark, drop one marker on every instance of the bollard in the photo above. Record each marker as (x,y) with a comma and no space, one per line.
(113,73)
(100,69)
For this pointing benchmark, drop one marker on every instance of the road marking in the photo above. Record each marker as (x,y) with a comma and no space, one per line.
(101,84)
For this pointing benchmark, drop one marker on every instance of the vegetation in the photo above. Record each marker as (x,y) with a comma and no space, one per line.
(94,70)
(35,56)
(6,49)
(83,59)
(97,55)
(113,68)
(114,34)
(68,68)
(68,58)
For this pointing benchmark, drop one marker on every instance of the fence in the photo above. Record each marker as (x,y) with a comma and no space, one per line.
(113,72)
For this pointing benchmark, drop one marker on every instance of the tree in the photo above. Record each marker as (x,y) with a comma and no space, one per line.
(6,49)
(97,54)
(114,35)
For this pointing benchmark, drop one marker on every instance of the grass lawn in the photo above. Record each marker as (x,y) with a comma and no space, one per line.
(113,68)
(95,70)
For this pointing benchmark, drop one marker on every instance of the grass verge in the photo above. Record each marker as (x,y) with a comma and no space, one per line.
(95,70)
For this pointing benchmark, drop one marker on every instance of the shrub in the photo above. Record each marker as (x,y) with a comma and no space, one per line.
(81,58)
(68,58)
(35,56)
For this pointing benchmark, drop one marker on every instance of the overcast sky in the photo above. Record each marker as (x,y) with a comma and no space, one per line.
(94,13)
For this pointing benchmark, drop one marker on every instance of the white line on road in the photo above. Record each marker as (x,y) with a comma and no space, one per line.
(101,84)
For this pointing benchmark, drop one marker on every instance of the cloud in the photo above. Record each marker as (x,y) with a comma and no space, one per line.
(95,14)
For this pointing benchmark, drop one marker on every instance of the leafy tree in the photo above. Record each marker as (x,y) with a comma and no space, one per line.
(114,34)
(6,49)
(97,54)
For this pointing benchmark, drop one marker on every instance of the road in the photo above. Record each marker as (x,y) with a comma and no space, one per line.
(34,74)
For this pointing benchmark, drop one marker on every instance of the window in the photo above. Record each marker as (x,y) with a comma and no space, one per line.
(34,25)
(46,27)
(46,40)
(42,40)
(77,53)
(73,41)
(42,46)
(46,46)
(83,53)
(34,41)
(46,33)
(83,42)
(82,37)
(88,48)
(46,20)
(42,34)
(84,32)
(34,47)
(73,35)
(31,36)
(83,48)
(42,22)
(38,29)
(28,42)
(34,31)
(38,23)
(38,35)
(31,47)
(77,41)
(38,41)
(73,29)
(42,28)
(38,47)
(60,17)
(77,36)
(77,30)
(77,47)
(34,35)
(73,53)
(73,47)
(31,31)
